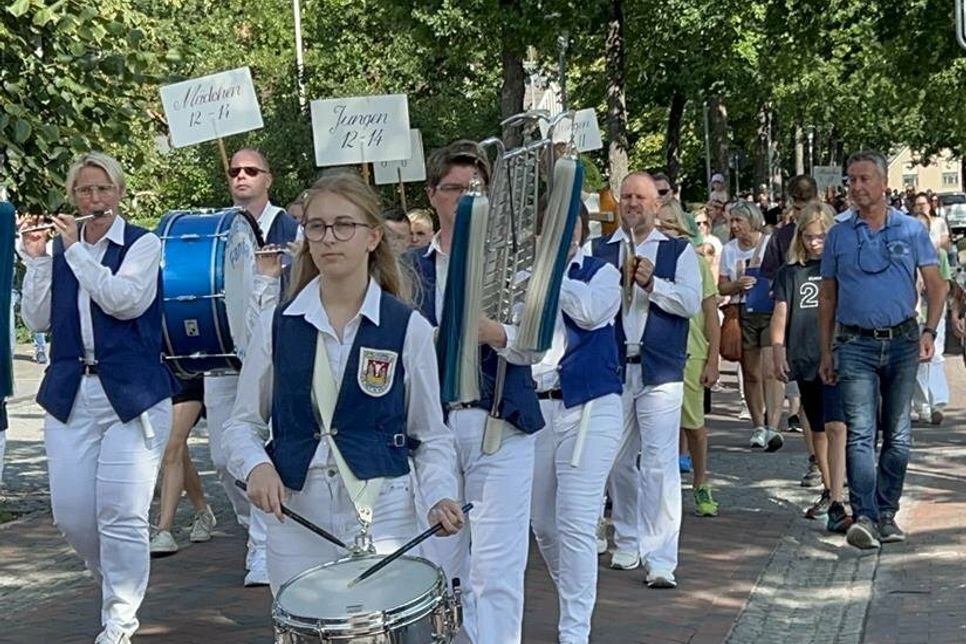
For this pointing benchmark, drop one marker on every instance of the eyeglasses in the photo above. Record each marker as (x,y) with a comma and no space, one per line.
(873,257)
(249,170)
(453,187)
(88,191)
(808,239)
(341,230)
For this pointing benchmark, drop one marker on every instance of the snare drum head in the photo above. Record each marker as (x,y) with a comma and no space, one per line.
(322,592)
(239,274)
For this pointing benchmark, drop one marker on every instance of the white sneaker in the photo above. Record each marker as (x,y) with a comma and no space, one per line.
(202,525)
(112,635)
(744,414)
(773,440)
(658,579)
(624,560)
(601,536)
(759,437)
(257,571)
(163,543)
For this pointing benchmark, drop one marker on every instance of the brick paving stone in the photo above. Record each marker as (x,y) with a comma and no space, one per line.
(757,573)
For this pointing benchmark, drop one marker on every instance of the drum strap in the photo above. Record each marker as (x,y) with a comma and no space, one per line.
(325,393)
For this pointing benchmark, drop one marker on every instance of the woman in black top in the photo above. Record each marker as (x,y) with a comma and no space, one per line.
(795,324)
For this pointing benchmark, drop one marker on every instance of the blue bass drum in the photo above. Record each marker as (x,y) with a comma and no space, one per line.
(208,265)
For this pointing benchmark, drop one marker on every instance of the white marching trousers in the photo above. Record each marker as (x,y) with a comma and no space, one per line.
(566,504)
(102,477)
(220,393)
(3,450)
(932,390)
(323,500)
(659,418)
(623,486)
(497,528)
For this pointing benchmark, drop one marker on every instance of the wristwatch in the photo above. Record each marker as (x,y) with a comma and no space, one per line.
(931,332)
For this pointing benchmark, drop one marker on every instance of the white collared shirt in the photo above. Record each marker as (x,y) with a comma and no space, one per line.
(680,296)
(591,305)
(124,295)
(435,460)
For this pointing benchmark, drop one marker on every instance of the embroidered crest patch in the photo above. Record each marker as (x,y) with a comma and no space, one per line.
(376,371)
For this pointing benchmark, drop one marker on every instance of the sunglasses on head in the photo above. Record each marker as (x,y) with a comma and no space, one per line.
(249,170)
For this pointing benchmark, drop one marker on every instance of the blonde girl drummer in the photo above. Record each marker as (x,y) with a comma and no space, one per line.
(346,372)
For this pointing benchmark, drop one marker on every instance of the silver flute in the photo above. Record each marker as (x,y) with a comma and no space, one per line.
(81,219)
(272,251)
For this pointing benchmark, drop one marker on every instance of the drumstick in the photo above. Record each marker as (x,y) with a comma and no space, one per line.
(302,521)
(369,572)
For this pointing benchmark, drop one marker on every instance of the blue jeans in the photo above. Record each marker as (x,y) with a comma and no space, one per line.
(871,371)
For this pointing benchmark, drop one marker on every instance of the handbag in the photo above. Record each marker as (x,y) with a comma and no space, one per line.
(731,333)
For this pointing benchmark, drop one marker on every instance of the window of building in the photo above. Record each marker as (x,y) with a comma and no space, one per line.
(950,179)
(909,180)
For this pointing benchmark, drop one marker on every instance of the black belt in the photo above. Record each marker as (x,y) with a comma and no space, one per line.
(552,394)
(885,333)
(90,369)
(633,359)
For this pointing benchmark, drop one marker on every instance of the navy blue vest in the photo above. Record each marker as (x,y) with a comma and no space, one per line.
(664,344)
(589,368)
(519,405)
(128,352)
(283,230)
(370,430)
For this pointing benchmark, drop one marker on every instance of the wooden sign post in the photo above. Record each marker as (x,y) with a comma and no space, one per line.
(411,169)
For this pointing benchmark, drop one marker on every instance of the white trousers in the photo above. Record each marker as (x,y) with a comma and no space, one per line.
(489,555)
(3,450)
(932,390)
(102,477)
(220,393)
(646,498)
(323,500)
(566,504)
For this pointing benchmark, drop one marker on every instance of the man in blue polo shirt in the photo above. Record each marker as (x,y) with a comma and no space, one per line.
(869,288)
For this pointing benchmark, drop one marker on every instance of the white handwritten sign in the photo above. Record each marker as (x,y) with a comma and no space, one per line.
(411,169)
(586,131)
(827,175)
(210,107)
(360,129)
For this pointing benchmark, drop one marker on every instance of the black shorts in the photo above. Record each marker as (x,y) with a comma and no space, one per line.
(191,389)
(821,403)
(755,329)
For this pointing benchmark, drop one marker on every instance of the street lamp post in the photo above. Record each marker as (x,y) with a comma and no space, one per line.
(299,60)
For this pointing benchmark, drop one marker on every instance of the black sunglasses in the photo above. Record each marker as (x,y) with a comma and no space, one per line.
(249,170)
(663,191)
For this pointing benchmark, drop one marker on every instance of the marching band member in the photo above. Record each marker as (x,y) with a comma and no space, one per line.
(652,341)
(490,558)
(343,337)
(579,387)
(250,178)
(106,392)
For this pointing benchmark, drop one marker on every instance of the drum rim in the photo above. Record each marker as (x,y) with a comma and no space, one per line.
(374,622)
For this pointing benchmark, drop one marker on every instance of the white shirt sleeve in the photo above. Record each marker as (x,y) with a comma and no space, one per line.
(435,459)
(593,304)
(35,305)
(264,296)
(243,440)
(682,296)
(515,355)
(128,293)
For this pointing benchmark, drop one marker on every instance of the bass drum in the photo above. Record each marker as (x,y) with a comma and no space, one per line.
(407,602)
(208,266)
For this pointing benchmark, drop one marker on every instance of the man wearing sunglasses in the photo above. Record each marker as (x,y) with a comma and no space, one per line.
(249,179)
(867,304)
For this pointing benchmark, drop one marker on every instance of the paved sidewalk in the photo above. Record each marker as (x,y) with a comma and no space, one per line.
(757,573)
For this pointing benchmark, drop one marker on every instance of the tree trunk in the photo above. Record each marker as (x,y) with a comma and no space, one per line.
(720,145)
(616,100)
(799,135)
(511,93)
(675,118)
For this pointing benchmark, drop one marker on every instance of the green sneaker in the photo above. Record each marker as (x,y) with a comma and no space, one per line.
(704,503)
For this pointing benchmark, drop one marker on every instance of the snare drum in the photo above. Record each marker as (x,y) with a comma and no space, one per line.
(405,603)
(208,266)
